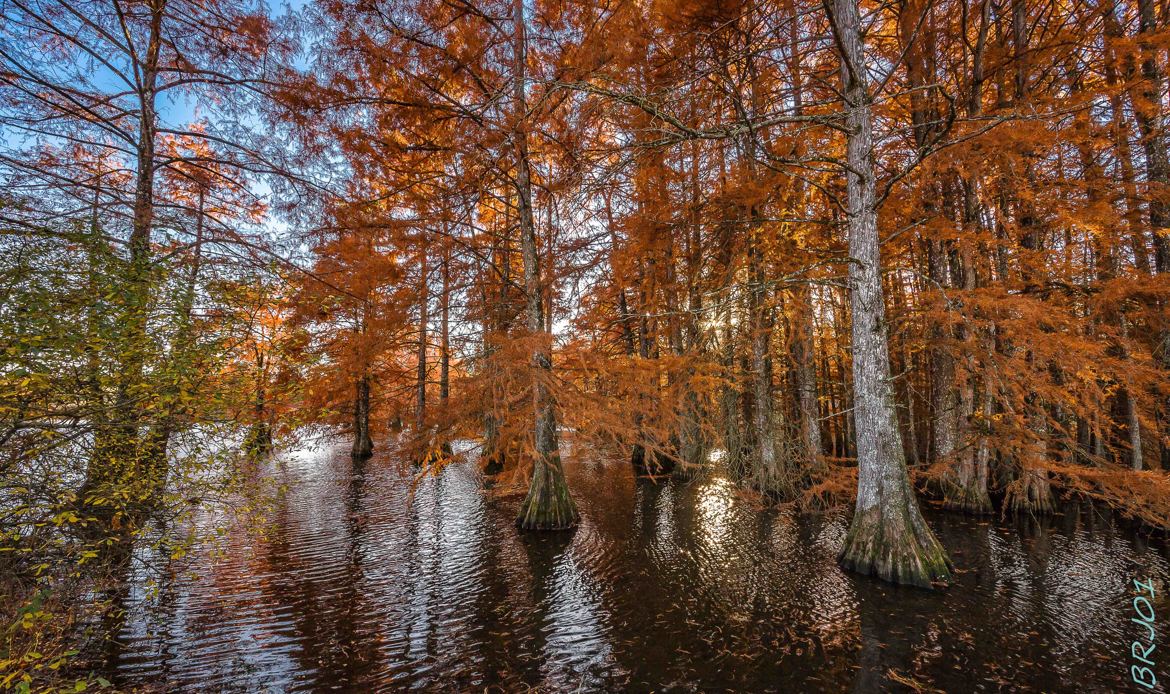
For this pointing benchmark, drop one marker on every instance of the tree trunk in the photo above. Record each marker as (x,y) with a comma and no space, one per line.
(445,341)
(493,454)
(1133,424)
(966,489)
(804,337)
(692,447)
(363,446)
(258,441)
(1147,106)
(888,536)
(1031,493)
(445,332)
(643,464)
(548,504)
(424,299)
(944,398)
(729,396)
(121,467)
(805,371)
(770,475)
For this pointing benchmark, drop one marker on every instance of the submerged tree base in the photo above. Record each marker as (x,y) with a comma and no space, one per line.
(548,505)
(896,547)
(775,484)
(362,449)
(972,500)
(974,505)
(1031,494)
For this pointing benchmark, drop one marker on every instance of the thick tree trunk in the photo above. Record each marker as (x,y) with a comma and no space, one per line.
(643,464)
(548,504)
(1147,106)
(965,486)
(770,472)
(944,396)
(729,396)
(667,455)
(1031,492)
(966,489)
(98,259)
(445,341)
(888,536)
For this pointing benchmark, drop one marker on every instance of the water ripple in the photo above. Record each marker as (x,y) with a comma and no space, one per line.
(356,584)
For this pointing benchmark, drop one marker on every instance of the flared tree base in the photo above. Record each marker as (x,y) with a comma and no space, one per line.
(895,547)
(973,506)
(973,501)
(693,452)
(553,517)
(362,449)
(1031,495)
(548,505)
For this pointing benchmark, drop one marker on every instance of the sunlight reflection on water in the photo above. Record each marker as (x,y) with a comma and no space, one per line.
(355,585)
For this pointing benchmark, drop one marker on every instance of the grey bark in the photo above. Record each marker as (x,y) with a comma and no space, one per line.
(445,331)
(548,504)
(424,300)
(888,536)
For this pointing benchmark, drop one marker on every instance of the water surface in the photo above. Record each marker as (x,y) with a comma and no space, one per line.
(353,586)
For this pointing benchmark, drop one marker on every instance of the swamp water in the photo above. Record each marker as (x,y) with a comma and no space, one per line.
(665,586)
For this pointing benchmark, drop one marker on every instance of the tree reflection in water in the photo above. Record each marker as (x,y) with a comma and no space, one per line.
(356,584)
